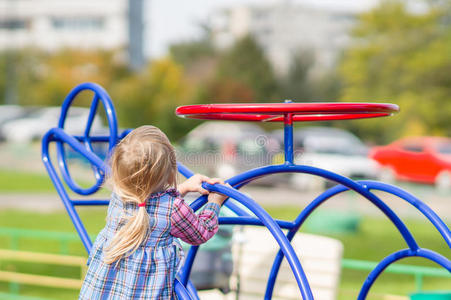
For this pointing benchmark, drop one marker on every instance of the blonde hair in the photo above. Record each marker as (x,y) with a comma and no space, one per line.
(142,163)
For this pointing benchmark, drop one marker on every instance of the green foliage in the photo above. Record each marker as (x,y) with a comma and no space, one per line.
(149,97)
(402,57)
(297,85)
(244,66)
(188,52)
(45,79)
(152,96)
(300,85)
(376,238)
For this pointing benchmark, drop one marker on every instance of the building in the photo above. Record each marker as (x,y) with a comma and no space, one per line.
(285,28)
(84,24)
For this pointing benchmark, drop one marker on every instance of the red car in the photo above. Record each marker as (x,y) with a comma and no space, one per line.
(421,159)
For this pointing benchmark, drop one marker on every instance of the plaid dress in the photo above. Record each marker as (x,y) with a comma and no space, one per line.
(149,272)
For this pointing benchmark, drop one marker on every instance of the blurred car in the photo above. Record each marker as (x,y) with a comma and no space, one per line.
(225,149)
(418,159)
(37,123)
(12,112)
(331,149)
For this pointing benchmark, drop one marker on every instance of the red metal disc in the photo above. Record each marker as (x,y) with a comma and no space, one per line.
(275,112)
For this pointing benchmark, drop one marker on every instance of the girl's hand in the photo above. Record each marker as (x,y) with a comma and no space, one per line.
(194,184)
(217,198)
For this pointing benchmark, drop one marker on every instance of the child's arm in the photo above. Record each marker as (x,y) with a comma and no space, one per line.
(196,229)
(194,184)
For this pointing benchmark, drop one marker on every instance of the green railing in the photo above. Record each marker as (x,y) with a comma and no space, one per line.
(6,296)
(65,238)
(419,272)
(14,235)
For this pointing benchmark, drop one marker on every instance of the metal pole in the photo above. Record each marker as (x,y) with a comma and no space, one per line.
(135,34)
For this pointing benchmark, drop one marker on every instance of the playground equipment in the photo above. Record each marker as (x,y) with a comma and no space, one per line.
(287,113)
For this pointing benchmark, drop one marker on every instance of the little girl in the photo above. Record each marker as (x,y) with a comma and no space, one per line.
(137,255)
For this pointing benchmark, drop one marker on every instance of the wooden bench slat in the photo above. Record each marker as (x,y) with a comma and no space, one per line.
(40,280)
(38,257)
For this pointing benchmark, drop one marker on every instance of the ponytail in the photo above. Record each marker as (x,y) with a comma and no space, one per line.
(142,163)
(129,237)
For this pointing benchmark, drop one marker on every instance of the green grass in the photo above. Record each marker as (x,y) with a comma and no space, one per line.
(94,219)
(375,239)
(12,181)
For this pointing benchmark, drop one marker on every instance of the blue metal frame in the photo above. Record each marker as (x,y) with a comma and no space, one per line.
(259,217)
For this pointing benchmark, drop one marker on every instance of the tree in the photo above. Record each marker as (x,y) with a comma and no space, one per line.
(245,63)
(186,53)
(46,78)
(152,96)
(297,85)
(402,57)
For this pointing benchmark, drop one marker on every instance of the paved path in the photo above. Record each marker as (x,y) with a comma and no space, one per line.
(28,158)
(283,196)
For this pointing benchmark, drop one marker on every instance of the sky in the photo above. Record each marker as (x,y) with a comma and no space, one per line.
(168,21)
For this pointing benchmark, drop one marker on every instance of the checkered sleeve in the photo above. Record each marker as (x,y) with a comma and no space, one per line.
(191,228)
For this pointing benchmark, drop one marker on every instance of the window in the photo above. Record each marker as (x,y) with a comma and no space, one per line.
(413,147)
(444,148)
(77,23)
(13,24)
(342,17)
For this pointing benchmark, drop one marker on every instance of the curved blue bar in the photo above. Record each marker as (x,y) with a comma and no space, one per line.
(181,291)
(185,272)
(184,170)
(248,176)
(417,203)
(245,220)
(92,114)
(423,208)
(99,94)
(375,185)
(199,202)
(101,138)
(425,253)
(99,175)
(290,235)
(57,134)
(192,291)
(275,230)
(236,209)
(361,189)
(62,163)
(103,96)
(89,202)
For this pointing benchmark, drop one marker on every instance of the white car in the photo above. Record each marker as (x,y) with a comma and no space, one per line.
(224,149)
(9,113)
(332,149)
(36,124)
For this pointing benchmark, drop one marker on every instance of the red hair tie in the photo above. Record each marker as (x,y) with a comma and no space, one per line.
(142,204)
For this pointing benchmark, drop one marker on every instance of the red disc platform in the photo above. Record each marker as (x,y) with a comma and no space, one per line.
(277,112)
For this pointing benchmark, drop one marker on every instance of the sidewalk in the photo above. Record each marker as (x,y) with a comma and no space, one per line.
(274,196)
